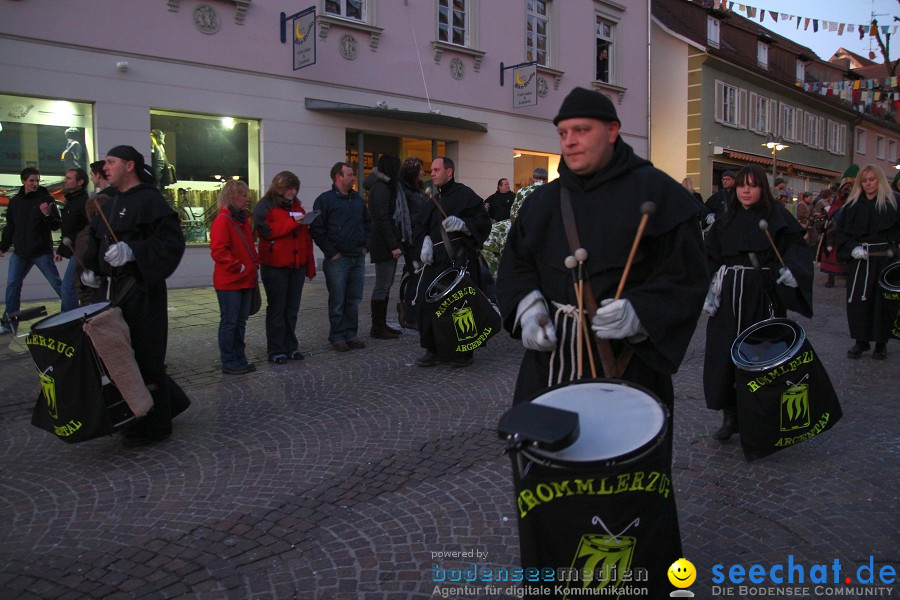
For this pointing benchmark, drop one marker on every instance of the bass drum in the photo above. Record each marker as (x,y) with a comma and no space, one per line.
(889,280)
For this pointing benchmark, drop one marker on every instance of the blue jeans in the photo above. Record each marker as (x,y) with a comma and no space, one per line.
(69,299)
(284,287)
(234,309)
(18,269)
(344,278)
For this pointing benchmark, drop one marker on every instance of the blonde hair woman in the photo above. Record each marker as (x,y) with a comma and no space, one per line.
(868,234)
(234,274)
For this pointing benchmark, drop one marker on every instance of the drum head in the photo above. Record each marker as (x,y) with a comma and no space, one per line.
(89,310)
(767,344)
(890,277)
(617,421)
(444,283)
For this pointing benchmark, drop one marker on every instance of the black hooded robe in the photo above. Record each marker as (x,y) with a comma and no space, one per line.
(455,200)
(141,218)
(744,300)
(858,223)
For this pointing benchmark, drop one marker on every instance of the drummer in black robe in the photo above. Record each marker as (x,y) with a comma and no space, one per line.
(741,293)
(657,313)
(868,234)
(149,248)
(467,224)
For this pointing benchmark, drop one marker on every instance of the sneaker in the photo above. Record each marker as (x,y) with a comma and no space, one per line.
(340,347)
(857,349)
(355,344)
(429,359)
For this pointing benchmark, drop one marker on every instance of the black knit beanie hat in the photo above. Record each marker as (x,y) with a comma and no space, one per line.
(582,103)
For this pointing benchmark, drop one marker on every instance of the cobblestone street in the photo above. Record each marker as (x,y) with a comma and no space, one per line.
(343,476)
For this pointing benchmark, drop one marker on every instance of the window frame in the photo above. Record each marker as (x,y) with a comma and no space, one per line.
(725,103)
(812,130)
(611,71)
(364,8)
(467,25)
(548,37)
(861,141)
(792,132)
(713,29)
(760,109)
(880,145)
(762,54)
(837,138)
(892,150)
(801,71)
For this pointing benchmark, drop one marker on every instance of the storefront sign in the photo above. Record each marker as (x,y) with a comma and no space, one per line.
(303,25)
(525,86)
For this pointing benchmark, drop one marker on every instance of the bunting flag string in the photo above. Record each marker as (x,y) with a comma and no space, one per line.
(837,27)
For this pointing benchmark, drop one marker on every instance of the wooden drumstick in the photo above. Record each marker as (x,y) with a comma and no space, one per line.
(67,242)
(647,209)
(578,282)
(764,225)
(105,220)
(572,263)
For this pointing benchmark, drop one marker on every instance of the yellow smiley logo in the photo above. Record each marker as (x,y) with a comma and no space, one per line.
(682,573)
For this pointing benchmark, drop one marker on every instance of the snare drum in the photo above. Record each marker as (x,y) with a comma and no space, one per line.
(605,504)
(77,401)
(462,316)
(784,394)
(889,280)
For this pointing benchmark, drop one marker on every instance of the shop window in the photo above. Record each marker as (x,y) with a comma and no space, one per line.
(374,145)
(526,161)
(50,135)
(192,156)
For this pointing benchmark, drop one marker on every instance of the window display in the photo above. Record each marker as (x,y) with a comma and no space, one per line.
(192,156)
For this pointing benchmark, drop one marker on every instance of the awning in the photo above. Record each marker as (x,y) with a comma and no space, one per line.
(428,118)
(783,165)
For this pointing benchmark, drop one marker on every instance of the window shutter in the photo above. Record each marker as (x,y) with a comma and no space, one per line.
(754,111)
(720,101)
(773,116)
(820,145)
(742,109)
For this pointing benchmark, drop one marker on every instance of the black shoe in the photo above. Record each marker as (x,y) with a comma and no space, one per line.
(250,367)
(880,352)
(295,355)
(857,349)
(279,359)
(355,344)
(729,425)
(429,359)
(340,347)
(461,362)
(236,370)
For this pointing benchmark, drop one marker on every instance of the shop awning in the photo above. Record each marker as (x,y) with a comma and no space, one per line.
(783,165)
(428,118)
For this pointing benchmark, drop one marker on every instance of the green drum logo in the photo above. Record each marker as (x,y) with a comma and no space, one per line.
(464,324)
(603,559)
(48,389)
(795,407)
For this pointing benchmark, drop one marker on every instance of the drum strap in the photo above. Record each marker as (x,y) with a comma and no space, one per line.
(448,247)
(612,367)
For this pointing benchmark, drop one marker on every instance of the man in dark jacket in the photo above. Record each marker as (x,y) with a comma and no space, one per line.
(463,217)
(30,217)
(717,204)
(73,221)
(141,247)
(499,203)
(603,186)
(341,231)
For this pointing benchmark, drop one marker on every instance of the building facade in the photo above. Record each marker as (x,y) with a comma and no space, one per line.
(732,86)
(207,90)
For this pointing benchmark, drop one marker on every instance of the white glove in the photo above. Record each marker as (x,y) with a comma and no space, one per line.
(860,253)
(118,254)
(615,319)
(710,218)
(787,278)
(452,224)
(532,310)
(427,254)
(711,304)
(89,279)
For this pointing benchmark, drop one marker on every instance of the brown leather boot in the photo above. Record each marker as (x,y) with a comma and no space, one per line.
(380,330)
(729,424)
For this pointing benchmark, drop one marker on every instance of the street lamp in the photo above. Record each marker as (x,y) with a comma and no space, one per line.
(775,144)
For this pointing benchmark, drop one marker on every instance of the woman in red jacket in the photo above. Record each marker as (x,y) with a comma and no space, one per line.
(286,255)
(234,275)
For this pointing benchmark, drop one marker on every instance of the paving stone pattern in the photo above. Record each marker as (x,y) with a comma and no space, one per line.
(340,476)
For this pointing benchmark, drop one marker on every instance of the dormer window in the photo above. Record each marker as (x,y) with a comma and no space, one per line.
(801,70)
(712,31)
(762,54)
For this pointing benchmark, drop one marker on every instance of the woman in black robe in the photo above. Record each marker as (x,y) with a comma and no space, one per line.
(741,293)
(868,232)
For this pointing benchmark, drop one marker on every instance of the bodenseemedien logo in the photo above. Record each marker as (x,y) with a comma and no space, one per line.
(682,575)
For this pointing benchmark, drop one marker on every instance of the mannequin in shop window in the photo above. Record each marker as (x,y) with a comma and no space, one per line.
(73,154)
(163,170)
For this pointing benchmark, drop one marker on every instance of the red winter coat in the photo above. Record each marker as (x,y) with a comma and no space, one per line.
(236,261)
(283,242)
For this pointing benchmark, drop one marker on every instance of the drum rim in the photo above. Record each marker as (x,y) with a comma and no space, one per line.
(545,458)
(799,340)
(882,281)
(461,273)
(102,305)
